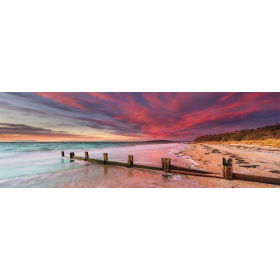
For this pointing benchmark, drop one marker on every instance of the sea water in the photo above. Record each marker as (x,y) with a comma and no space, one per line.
(40,164)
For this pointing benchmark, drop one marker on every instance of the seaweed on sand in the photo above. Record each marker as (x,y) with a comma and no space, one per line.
(249,166)
(275,171)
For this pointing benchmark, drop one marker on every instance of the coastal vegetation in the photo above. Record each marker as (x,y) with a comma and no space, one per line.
(263,136)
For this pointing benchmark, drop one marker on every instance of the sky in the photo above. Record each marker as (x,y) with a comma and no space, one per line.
(117,116)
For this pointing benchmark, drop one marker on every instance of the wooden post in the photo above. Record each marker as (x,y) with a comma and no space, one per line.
(105,157)
(72,155)
(227,169)
(224,167)
(162,163)
(86,155)
(62,153)
(130,161)
(167,162)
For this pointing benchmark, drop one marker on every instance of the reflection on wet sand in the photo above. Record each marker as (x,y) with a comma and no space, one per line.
(105,170)
(100,176)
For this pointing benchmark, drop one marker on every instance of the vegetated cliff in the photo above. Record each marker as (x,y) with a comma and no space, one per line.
(263,133)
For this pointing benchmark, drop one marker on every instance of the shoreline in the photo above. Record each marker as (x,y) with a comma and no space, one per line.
(40,167)
(48,169)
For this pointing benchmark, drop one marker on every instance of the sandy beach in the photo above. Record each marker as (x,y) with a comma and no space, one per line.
(41,165)
(248,159)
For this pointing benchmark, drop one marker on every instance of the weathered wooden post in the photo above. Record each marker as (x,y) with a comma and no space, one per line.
(227,169)
(162,163)
(224,167)
(105,157)
(130,161)
(167,162)
(72,155)
(62,153)
(86,156)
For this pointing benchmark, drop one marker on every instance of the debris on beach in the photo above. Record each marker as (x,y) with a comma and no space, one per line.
(249,166)
(171,176)
(275,171)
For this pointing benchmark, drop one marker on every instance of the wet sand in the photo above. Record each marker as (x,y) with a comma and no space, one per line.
(102,176)
(248,159)
(93,175)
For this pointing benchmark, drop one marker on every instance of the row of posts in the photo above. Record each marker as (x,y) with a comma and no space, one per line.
(227,167)
(166,162)
(105,158)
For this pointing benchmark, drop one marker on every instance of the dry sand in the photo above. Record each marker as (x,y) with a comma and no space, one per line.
(248,159)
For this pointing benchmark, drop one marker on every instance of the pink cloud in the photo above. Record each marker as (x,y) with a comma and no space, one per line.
(159,115)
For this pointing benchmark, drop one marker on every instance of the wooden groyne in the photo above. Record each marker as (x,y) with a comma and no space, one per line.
(227,171)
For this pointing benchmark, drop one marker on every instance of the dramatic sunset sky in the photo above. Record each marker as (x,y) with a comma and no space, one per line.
(131,116)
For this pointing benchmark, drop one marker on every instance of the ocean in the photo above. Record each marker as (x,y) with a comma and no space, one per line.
(40,164)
